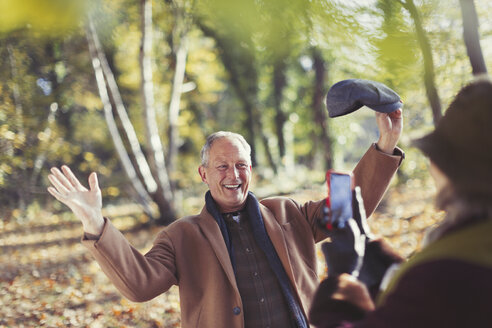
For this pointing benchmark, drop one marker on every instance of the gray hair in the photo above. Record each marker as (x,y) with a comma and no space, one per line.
(205,152)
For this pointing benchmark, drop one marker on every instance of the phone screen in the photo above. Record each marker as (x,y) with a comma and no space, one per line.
(340,198)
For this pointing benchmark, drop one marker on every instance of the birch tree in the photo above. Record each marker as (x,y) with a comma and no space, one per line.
(163,195)
(98,59)
(181,28)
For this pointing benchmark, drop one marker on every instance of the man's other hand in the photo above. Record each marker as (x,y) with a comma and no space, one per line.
(390,127)
(85,203)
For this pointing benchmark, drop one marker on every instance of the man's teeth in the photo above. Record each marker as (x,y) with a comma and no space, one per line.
(232,186)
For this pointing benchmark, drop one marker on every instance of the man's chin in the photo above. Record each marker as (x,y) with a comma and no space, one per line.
(236,204)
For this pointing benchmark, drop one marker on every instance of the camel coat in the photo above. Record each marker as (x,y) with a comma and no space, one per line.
(191,252)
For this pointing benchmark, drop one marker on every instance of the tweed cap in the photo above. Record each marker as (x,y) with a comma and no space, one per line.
(461,144)
(347,96)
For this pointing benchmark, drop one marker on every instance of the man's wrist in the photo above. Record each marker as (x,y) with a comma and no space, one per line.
(386,147)
(397,152)
(95,227)
(89,236)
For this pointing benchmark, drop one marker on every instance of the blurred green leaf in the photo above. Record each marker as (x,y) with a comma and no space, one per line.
(50,17)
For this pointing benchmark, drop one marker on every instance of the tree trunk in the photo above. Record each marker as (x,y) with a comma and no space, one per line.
(142,194)
(50,121)
(248,93)
(128,129)
(264,139)
(320,117)
(19,122)
(226,47)
(429,75)
(181,30)
(279,83)
(471,37)
(163,196)
(19,126)
(41,157)
(244,93)
(239,61)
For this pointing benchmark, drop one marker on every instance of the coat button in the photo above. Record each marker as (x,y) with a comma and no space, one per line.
(236,310)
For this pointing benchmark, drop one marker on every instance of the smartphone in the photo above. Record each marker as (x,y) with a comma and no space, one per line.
(338,207)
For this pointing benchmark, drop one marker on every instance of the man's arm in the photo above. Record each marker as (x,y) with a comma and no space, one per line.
(138,277)
(377,167)
(374,171)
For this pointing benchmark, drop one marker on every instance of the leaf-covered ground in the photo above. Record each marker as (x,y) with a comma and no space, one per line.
(48,279)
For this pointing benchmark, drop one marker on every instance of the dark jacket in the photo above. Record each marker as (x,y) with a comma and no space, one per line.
(448,284)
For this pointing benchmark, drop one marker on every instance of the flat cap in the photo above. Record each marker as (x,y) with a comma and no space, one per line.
(347,96)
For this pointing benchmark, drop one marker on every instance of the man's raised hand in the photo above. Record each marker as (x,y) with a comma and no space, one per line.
(390,127)
(85,203)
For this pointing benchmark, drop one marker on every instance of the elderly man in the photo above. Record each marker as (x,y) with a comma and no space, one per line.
(240,262)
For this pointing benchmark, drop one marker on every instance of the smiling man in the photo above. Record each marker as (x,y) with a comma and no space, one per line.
(240,262)
(226,169)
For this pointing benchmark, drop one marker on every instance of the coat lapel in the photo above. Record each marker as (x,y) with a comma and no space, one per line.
(276,234)
(212,233)
(274,230)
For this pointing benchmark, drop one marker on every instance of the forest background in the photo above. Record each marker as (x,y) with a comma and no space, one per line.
(131,89)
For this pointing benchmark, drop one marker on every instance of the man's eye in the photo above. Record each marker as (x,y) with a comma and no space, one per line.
(222,167)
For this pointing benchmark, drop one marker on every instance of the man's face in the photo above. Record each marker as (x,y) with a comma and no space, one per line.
(228,174)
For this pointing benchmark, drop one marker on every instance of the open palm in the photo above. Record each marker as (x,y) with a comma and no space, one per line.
(85,203)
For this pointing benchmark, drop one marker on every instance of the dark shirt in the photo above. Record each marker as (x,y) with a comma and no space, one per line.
(263,302)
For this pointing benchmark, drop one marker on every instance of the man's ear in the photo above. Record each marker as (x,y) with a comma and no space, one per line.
(203,175)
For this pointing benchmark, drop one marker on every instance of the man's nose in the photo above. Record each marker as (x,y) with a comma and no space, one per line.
(233,172)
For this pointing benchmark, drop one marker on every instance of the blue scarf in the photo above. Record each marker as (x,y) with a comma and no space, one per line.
(261,237)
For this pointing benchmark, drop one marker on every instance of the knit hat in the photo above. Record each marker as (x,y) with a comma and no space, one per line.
(347,96)
(461,144)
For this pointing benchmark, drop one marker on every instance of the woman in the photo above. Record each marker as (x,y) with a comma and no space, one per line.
(449,283)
